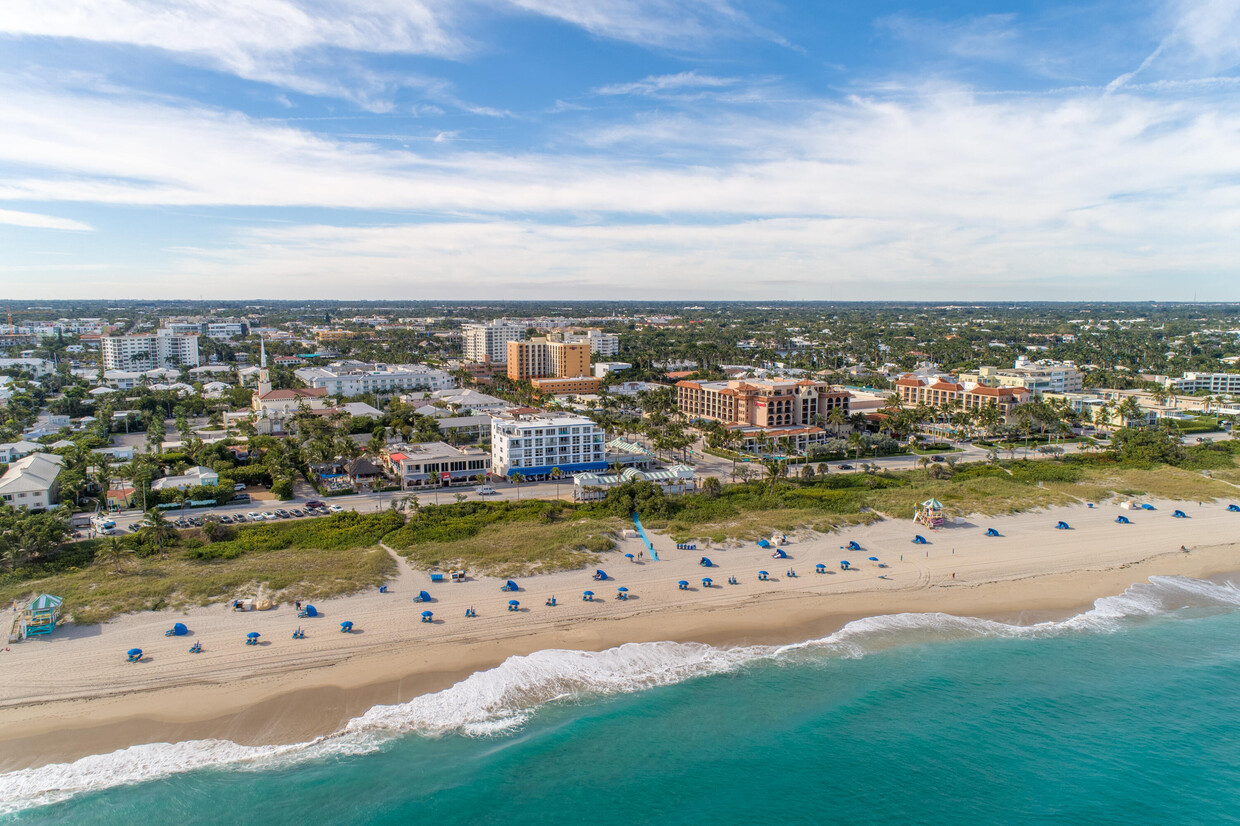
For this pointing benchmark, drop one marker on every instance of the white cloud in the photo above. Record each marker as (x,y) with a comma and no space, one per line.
(656,84)
(38,221)
(667,24)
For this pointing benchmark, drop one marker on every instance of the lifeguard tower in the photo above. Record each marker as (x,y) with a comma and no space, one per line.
(40,617)
(930,513)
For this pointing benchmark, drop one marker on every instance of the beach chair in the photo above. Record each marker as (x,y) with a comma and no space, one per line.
(707,582)
(792,573)
(551,602)
(346,627)
(820,568)
(427,615)
(683,585)
(134,655)
(196,648)
(588,596)
(762,576)
(299,634)
(383,589)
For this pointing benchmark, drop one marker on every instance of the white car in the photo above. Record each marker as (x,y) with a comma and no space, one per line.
(269,515)
(335,508)
(254,516)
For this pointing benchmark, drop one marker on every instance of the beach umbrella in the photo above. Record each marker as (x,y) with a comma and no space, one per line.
(763,573)
(622,589)
(707,581)
(628,556)
(134,652)
(346,626)
(253,635)
(513,602)
(684,583)
(588,594)
(427,614)
(874,559)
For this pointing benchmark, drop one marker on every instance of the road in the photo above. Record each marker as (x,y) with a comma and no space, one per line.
(704,463)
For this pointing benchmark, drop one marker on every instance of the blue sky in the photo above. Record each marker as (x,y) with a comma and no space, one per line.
(662,149)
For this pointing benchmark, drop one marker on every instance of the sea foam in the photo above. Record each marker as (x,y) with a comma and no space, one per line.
(501,699)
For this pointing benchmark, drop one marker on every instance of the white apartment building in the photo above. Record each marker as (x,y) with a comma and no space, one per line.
(1039,378)
(352,378)
(148,351)
(489,341)
(221,329)
(31,482)
(1220,383)
(533,444)
(601,344)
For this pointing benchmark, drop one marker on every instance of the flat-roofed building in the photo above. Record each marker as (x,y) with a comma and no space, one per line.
(435,464)
(533,444)
(488,341)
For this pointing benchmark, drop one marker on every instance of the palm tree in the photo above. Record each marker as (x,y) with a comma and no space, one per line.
(517,479)
(115,553)
(156,530)
(556,474)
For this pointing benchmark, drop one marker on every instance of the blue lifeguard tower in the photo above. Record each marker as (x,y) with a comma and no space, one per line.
(40,617)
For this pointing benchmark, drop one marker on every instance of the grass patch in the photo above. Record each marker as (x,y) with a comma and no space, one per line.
(505,538)
(314,559)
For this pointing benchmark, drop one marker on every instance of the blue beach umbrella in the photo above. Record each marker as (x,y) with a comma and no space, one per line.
(253,635)
(513,602)
(134,652)
(588,594)
(628,556)
(427,614)
(622,589)
(874,559)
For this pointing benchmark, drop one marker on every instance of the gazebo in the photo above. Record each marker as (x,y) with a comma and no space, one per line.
(41,615)
(930,513)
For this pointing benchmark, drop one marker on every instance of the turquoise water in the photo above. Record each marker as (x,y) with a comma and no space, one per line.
(1128,714)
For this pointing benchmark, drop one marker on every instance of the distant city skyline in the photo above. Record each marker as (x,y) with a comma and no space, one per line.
(620,149)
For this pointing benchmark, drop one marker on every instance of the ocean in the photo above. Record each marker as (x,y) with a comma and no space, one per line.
(1128,714)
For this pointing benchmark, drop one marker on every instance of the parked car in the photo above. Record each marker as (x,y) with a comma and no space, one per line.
(335,509)
(238,486)
(937,458)
(268,515)
(226,519)
(846,466)
(484,490)
(240,497)
(255,516)
(297,512)
(239,518)
(314,503)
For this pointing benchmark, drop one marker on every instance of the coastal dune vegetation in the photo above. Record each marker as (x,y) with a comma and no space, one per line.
(348,552)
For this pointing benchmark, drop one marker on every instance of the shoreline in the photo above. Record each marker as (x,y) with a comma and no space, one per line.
(277,699)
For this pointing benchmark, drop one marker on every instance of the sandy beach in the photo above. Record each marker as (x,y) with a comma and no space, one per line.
(73,694)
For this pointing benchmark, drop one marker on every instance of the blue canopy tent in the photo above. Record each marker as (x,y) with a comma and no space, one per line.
(308,611)
(510,586)
(588,596)
(177,630)
(820,568)
(346,627)
(705,563)
(1123,520)
(844,564)
(991,532)
(683,585)
(707,582)
(252,638)
(1063,526)
(763,543)
(1148,507)
(853,546)
(762,575)
(780,553)
(920,540)
(1178,514)
(601,576)
(422,597)
(1234,508)
(426,616)
(513,605)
